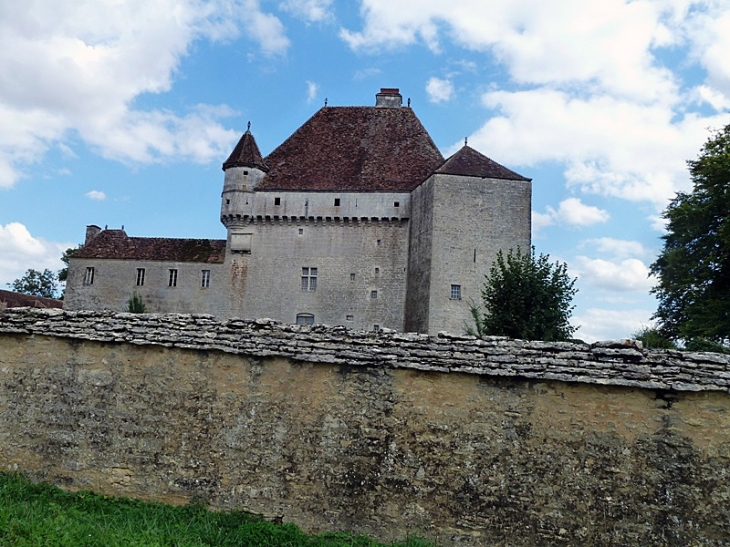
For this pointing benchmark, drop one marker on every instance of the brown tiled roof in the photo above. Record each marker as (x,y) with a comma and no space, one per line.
(116,244)
(468,162)
(19,300)
(354,148)
(246,154)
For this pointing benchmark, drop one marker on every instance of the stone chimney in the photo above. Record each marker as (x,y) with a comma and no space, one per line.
(389,97)
(92,230)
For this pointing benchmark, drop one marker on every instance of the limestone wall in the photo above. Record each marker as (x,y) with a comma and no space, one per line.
(473,442)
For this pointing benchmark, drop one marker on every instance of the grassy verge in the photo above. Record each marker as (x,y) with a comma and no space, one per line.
(42,515)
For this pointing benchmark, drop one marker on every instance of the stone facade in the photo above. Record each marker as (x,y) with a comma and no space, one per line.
(360,199)
(467,442)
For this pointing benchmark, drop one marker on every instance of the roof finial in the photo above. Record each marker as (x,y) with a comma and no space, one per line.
(248,127)
(325,101)
(465,141)
(409,102)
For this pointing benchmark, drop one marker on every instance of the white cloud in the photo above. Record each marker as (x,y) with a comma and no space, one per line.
(19,250)
(78,66)
(439,90)
(96,195)
(570,211)
(309,10)
(312,89)
(629,274)
(618,248)
(602,324)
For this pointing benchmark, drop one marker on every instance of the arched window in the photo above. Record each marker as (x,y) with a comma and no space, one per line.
(305,319)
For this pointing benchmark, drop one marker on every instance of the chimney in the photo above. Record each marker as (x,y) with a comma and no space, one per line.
(92,230)
(389,97)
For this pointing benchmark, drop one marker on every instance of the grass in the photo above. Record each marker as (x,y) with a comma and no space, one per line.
(42,515)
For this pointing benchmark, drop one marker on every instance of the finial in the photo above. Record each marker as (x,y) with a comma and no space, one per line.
(409,102)
(106,226)
(325,101)
(465,141)
(122,226)
(248,127)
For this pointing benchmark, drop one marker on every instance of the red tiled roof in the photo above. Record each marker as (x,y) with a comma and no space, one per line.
(470,163)
(246,154)
(19,300)
(116,244)
(354,148)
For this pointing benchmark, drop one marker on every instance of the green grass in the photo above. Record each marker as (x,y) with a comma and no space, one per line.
(41,515)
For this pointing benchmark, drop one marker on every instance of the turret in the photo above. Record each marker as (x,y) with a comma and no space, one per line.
(243,169)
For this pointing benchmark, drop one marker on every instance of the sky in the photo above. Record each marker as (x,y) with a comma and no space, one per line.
(120,113)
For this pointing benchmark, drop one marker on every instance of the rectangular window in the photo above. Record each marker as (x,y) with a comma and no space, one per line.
(172,280)
(277,201)
(396,204)
(379,242)
(349,318)
(376,328)
(337,202)
(377,271)
(89,277)
(140,277)
(305,319)
(309,279)
(373,294)
(352,277)
(204,279)
(455,292)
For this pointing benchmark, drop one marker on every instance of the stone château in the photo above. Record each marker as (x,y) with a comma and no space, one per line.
(356,219)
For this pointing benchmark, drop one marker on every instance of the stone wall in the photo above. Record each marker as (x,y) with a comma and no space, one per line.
(473,442)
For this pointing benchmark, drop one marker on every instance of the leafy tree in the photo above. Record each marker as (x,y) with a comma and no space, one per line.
(67,254)
(652,338)
(37,283)
(526,297)
(136,305)
(694,266)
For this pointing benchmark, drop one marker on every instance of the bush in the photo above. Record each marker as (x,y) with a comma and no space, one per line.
(136,305)
(652,338)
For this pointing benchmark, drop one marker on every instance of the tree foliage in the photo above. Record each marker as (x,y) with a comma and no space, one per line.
(37,283)
(526,297)
(136,304)
(693,268)
(67,254)
(652,338)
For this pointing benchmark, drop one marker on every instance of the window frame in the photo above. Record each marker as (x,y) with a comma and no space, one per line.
(140,277)
(204,279)
(309,278)
(172,277)
(89,275)
(455,293)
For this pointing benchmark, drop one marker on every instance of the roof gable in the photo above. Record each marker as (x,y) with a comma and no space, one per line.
(115,244)
(470,163)
(356,149)
(20,300)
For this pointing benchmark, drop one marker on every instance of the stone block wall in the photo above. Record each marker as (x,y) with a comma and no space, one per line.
(468,442)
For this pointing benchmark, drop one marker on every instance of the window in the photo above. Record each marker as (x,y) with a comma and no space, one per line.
(204,279)
(377,271)
(89,277)
(301,231)
(396,204)
(349,318)
(305,319)
(228,202)
(352,277)
(373,295)
(245,172)
(455,292)
(277,201)
(337,202)
(376,328)
(379,242)
(309,279)
(140,277)
(172,280)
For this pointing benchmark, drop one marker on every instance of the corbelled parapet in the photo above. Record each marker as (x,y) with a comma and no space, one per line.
(617,363)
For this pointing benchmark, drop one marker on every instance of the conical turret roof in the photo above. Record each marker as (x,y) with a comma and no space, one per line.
(246,153)
(470,163)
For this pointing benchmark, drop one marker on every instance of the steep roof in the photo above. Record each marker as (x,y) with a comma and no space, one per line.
(246,153)
(470,163)
(116,244)
(19,300)
(354,148)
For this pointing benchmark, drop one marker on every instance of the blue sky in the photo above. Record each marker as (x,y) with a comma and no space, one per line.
(117,112)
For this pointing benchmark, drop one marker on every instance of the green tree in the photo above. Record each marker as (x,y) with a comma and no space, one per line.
(136,305)
(527,297)
(67,254)
(652,338)
(693,268)
(37,283)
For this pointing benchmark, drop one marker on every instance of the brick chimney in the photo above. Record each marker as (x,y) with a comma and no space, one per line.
(389,97)
(92,230)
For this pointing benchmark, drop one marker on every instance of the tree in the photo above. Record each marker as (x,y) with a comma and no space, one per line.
(67,254)
(652,338)
(136,305)
(37,283)
(693,268)
(526,297)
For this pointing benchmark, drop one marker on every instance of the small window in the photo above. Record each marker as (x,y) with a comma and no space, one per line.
(350,318)
(373,295)
(204,279)
(140,277)
(172,280)
(301,231)
(245,172)
(89,277)
(455,292)
(379,242)
(377,271)
(396,204)
(337,202)
(277,201)
(352,277)
(228,202)
(309,279)
(376,328)
(305,319)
